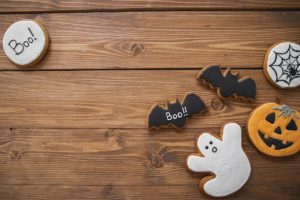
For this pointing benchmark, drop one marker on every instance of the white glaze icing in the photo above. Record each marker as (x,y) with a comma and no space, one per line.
(224,158)
(24,42)
(284,57)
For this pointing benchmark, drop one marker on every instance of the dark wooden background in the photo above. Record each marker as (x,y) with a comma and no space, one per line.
(73,126)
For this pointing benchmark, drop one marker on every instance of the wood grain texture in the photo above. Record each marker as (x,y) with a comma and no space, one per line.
(123,164)
(111,192)
(106,5)
(158,39)
(117,99)
(77,130)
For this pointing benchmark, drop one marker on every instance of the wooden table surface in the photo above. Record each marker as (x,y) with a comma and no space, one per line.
(73,126)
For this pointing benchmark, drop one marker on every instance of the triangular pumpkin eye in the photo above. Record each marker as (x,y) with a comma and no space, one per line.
(291,126)
(271,118)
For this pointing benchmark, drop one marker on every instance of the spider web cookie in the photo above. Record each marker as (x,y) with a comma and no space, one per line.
(282,65)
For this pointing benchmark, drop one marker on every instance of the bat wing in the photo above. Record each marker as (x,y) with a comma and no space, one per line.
(246,88)
(212,75)
(193,104)
(157,117)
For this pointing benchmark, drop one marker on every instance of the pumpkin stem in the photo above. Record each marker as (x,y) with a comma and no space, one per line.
(286,111)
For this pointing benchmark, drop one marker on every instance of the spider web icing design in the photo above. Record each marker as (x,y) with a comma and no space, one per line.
(286,65)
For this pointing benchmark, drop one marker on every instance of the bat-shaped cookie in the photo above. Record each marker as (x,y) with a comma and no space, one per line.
(228,84)
(175,113)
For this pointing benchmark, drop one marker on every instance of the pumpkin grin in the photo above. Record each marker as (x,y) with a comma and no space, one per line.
(272,141)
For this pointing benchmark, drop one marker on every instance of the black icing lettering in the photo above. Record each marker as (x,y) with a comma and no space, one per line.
(17,47)
(176,113)
(271,118)
(228,84)
(30,40)
(31,32)
(291,126)
(26,44)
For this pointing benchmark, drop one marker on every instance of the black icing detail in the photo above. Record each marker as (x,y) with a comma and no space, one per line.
(214,149)
(272,141)
(229,84)
(288,63)
(176,113)
(291,126)
(206,147)
(211,142)
(278,130)
(271,118)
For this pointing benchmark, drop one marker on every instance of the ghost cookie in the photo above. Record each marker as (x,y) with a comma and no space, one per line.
(25,42)
(282,65)
(227,83)
(224,159)
(275,129)
(175,113)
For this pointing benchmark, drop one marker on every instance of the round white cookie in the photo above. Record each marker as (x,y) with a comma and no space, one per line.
(282,65)
(25,42)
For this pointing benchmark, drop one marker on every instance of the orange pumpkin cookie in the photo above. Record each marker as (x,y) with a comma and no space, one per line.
(275,130)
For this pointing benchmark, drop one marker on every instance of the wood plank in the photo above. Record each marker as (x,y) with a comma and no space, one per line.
(98,192)
(106,5)
(117,99)
(187,192)
(139,40)
(117,158)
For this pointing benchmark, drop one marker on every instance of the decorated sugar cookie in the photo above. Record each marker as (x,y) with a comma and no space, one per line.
(223,158)
(282,65)
(228,84)
(275,130)
(25,42)
(176,113)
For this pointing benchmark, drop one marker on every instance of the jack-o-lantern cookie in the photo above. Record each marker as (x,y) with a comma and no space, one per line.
(25,42)
(275,130)
(227,83)
(282,65)
(224,158)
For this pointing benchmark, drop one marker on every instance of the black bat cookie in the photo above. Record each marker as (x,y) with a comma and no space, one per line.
(228,84)
(176,113)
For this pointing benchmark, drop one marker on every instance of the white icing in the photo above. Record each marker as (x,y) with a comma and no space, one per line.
(288,53)
(225,158)
(24,42)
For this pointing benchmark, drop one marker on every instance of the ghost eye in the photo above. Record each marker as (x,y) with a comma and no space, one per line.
(210,142)
(206,147)
(271,118)
(291,126)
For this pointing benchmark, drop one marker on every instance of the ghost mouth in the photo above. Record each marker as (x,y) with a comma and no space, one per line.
(214,149)
(272,141)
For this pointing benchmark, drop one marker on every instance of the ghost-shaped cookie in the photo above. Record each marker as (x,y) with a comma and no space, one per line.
(224,158)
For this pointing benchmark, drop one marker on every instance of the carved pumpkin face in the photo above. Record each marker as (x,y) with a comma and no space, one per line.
(274,129)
